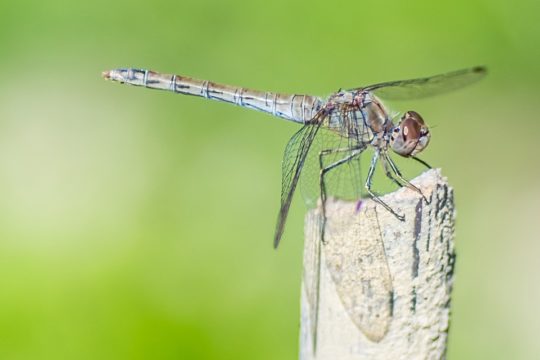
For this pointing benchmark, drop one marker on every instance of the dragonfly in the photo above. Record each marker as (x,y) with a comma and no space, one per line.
(335,130)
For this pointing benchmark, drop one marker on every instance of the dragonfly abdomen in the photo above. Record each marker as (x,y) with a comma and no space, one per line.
(296,108)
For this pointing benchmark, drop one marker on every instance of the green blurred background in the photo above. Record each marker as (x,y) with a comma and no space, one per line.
(137,224)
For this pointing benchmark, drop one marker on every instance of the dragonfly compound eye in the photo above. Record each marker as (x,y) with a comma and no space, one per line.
(413,136)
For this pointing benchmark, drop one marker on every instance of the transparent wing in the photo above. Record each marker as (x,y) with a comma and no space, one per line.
(343,181)
(359,269)
(428,86)
(293,161)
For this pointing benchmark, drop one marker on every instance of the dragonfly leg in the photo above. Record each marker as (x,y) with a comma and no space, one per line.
(325,169)
(387,158)
(374,196)
(388,172)
(421,162)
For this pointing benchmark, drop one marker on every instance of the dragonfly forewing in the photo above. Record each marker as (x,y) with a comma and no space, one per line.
(428,86)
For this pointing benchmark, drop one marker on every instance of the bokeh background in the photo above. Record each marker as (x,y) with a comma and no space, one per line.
(137,224)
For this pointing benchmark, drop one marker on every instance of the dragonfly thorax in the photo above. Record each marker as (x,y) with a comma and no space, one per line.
(360,116)
(410,135)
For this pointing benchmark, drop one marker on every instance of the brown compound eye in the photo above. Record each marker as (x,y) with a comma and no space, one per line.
(411,135)
(411,125)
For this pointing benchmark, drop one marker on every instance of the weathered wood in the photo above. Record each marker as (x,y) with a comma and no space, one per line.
(379,288)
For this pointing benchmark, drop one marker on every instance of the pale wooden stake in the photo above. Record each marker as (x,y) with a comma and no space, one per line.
(386,299)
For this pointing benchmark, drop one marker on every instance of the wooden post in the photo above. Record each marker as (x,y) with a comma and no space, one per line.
(379,288)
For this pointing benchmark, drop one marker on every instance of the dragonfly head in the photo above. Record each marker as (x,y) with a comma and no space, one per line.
(410,135)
